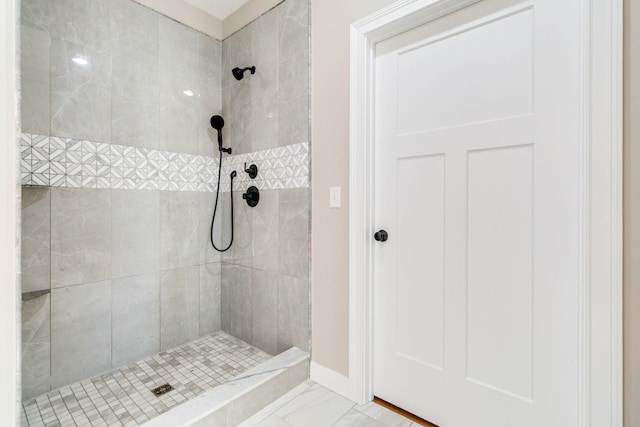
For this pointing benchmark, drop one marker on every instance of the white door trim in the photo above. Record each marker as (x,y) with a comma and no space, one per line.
(10,302)
(600,323)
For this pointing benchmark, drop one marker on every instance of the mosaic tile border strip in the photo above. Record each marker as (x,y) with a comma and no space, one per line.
(123,397)
(65,162)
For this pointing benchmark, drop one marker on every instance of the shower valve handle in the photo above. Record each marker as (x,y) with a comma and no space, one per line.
(252,196)
(251,170)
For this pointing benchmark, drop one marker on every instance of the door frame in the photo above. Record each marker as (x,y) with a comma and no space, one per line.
(600,285)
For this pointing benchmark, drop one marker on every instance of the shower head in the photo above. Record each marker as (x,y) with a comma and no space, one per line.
(238,73)
(217,122)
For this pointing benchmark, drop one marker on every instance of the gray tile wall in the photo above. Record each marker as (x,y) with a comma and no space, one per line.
(115,298)
(129,272)
(265,275)
(132,272)
(36,345)
(36,239)
(132,89)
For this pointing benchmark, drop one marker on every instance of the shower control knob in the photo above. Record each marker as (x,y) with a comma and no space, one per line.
(252,196)
(381,236)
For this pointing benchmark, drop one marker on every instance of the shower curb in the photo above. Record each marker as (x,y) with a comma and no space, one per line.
(237,400)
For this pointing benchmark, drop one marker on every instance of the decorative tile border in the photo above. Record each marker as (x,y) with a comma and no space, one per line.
(65,162)
(281,167)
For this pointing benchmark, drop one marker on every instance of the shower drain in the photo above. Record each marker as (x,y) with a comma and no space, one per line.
(159,391)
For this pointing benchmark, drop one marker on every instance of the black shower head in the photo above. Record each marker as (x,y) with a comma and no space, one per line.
(217,122)
(238,73)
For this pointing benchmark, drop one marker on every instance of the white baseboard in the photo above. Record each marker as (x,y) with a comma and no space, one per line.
(331,379)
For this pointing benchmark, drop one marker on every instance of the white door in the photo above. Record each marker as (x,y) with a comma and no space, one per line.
(476,183)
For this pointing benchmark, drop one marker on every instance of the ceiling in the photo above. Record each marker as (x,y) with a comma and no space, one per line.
(218,8)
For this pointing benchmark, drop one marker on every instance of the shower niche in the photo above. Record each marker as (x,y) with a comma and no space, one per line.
(121,286)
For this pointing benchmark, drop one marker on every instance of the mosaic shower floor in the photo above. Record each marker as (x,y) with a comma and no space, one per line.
(123,397)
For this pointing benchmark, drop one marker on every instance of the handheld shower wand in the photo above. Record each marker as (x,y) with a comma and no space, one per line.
(217,122)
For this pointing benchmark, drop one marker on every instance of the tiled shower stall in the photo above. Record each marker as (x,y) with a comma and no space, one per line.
(119,166)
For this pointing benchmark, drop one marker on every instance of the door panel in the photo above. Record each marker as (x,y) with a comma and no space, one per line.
(488,60)
(420,210)
(499,269)
(475,291)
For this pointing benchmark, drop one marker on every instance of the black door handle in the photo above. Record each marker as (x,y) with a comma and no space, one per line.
(381,236)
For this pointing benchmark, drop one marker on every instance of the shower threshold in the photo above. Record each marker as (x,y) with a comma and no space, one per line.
(125,396)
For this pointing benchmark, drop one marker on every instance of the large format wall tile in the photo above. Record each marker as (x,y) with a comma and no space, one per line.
(36,239)
(236,104)
(240,252)
(293,30)
(293,233)
(179,226)
(225,289)
(82,21)
(35,80)
(179,63)
(210,62)
(264,84)
(179,306)
(293,313)
(80,236)
(236,95)
(264,302)
(210,294)
(135,314)
(80,332)
(135,31)
(264,226)
(205,211)
(293,99)
(236,52)
(36,346)
(135,219)
(135,101)
(236,299)
(36,13)
(80,94)
(264,40)
(209,92)
(179,117)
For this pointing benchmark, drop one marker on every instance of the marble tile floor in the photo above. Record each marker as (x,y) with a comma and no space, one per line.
(312,405)
(123,397)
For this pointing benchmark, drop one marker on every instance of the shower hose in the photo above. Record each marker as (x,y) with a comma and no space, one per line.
(215,208)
